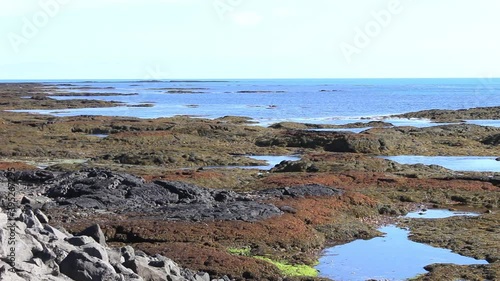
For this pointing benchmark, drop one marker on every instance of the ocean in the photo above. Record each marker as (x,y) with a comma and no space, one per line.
(267,101)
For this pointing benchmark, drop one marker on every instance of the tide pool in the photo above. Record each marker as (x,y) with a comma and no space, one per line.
(455,163)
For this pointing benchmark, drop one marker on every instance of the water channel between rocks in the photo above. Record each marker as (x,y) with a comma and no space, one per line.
(455,163)
(271,162)
(391,257)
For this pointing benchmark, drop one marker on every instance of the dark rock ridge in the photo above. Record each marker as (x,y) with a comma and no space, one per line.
(46,253)
(440,115)
(308,126)
(302,191)
(124,193)
(492,140)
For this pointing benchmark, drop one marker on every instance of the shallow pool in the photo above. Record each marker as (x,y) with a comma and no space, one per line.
(99,135)
(438,214)
(352,130)
(271,162)
(392,257)
(456,163)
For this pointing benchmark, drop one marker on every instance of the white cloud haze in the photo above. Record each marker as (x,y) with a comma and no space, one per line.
(248,38)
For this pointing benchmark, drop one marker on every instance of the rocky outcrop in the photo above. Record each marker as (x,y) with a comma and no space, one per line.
(40,98)
(306,126)
(439,115)
(333,141)
(492,140)
(462,139)
(124,193)
(35,251)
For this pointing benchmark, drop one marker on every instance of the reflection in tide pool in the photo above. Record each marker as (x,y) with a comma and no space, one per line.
(99,135)
(392,257)
(456,163)
(351,130)
(271,161)
(438,214)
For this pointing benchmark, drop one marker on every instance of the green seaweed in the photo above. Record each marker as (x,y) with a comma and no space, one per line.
(291,270)
(285,268)
(245,251)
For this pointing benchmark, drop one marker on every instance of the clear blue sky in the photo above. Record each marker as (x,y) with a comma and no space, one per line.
(161,39)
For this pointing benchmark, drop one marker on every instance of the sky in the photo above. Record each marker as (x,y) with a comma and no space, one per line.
(207,39)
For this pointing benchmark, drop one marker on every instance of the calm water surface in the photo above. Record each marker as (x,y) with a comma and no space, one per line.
(392,257)
(438,214)
(271,162)
(456,163)
(321,101)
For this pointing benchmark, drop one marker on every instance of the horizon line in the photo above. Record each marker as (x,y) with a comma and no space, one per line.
(231,79)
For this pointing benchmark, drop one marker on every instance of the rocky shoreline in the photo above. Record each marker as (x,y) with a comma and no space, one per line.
(147,184)
(43,252)
(439,115)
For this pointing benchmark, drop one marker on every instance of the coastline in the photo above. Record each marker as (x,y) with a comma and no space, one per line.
(374,190)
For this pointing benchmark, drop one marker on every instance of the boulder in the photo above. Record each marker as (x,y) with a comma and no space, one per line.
(79,240)
(26,245)
(46,253)
(170,266)
(6,274)
(96,250)
(128,253)
(115,256)
(61,249)
(127,273)
(196,276)
(95,232)
(29,218)
(140,266)
(56,233)
(41,216)
(80,266)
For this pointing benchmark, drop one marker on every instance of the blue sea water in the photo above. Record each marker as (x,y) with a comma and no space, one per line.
(320,101)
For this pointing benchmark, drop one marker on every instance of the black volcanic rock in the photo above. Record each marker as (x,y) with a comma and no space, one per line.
(123,193)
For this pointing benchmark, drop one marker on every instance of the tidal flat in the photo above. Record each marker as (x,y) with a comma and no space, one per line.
(338,191)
